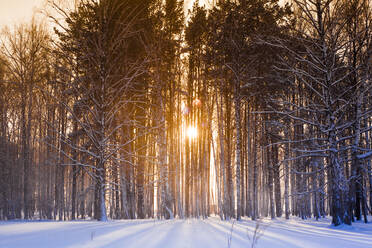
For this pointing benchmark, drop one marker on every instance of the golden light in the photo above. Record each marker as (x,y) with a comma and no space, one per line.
(196,103)
(192,132)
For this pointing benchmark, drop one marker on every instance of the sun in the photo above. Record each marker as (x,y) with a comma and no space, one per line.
(192,132)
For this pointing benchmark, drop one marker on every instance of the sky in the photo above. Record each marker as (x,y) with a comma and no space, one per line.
(16,11)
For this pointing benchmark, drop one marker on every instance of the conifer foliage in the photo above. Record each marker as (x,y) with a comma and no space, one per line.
(142,109)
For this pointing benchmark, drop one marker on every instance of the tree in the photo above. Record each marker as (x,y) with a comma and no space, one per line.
(318,71)
(23,49)
(96,42)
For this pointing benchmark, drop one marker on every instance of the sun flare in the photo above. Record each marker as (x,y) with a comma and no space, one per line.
(192,132)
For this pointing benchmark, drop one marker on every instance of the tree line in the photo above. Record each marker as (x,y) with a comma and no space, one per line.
(140,109)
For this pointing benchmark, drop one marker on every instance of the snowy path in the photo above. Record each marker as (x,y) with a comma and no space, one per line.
(182,234)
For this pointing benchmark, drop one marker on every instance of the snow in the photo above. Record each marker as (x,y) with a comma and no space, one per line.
(188,233)
(365,155)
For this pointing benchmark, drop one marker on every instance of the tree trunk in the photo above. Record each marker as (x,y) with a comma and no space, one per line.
(238,148)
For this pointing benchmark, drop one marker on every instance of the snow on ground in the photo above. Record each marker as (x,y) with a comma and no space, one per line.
(177,233)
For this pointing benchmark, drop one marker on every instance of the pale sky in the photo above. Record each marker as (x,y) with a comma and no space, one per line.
(16,11)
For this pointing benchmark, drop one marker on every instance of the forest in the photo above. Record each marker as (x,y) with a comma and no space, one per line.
(136,109)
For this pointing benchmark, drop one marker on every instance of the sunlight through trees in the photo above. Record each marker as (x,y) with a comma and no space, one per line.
(137,109)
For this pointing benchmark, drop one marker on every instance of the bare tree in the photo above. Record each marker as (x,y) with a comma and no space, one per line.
(23,49)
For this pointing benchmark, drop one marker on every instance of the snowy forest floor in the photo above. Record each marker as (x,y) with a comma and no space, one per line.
(183,233)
